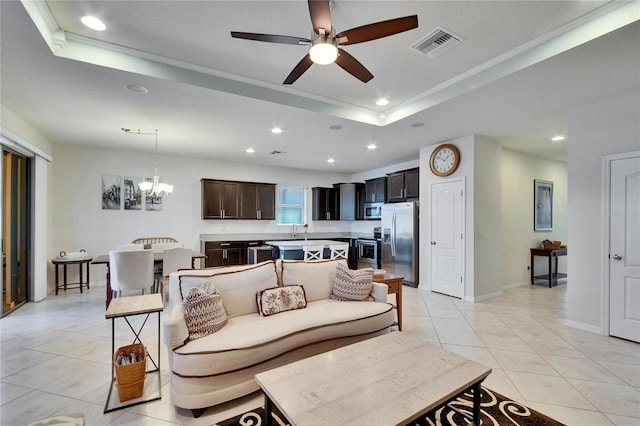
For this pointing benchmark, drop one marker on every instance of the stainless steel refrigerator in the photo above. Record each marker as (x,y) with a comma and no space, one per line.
(400,240)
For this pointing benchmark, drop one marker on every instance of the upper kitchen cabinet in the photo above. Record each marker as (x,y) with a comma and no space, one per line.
(220,199)
(349,203)
(403,186)
(326,203)
(258,201)
(376,190)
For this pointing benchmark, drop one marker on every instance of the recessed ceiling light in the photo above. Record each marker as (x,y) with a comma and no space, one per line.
(335,127)
(250,150)
(93,23)
(371,146)
(382,102)
(417,124)
(276,130)
(331,160)
(557,138)
(137,88)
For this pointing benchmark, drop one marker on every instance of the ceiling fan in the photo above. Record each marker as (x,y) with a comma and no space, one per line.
(325,42)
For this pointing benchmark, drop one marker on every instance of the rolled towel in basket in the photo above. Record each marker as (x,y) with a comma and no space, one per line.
(73,255)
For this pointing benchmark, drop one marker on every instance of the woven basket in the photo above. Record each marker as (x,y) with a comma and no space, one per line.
(548,245)
(130,378)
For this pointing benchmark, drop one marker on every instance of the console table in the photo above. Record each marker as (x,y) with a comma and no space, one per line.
(64,262)
(550,254)
(394,282)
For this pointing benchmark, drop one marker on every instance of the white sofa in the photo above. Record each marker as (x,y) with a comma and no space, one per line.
(222,365)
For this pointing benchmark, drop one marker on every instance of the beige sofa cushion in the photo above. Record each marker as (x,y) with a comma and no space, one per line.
(238,285)
(317,276)
(251,339)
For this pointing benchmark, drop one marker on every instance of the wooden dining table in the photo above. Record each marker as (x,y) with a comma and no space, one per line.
(103,259)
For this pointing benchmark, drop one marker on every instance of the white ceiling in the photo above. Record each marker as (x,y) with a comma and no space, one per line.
(520,67)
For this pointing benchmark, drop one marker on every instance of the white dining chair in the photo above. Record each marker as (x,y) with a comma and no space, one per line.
(339,251)
(130,247)
(173,260)
(161,247)
(313,252)
(130,270)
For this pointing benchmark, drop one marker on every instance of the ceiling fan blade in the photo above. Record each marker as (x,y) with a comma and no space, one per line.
(352,66)
(378,30)
(299,69)
(271,38)
(320,15)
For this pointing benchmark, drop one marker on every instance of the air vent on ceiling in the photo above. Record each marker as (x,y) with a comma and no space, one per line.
(436,42)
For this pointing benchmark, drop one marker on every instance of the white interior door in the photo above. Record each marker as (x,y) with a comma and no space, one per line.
(624,249)
(447,238)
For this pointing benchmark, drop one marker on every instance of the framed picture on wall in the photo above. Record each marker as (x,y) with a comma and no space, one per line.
(542,205)
(111,189)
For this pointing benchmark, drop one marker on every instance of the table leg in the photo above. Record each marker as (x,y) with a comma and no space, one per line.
(399,305)
(268,411)
(476,403)
(64,267)
(550,270)
(108,287)
(88,276)
(531,263)
(81,280)
(57,279)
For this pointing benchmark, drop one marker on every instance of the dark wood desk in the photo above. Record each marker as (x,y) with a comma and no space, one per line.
(550,254)
(103,259)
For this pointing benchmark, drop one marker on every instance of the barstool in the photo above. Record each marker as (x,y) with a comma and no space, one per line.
(339,251)
(313,252)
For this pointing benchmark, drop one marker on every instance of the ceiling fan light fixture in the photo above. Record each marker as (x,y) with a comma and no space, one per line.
(324,51)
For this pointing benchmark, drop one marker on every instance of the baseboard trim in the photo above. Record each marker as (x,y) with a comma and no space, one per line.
(585,327)
(515,285)
(483,297)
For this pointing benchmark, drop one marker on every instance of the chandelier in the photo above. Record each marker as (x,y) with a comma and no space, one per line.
(153,188)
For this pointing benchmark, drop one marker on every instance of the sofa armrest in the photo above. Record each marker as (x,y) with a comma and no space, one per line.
(175,327)
(379,292)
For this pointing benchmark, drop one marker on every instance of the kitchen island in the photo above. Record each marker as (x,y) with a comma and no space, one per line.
(293,249)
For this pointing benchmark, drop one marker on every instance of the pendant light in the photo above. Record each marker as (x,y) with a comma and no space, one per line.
(153,188)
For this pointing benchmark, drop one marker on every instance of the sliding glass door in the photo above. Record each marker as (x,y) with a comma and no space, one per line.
(15,230)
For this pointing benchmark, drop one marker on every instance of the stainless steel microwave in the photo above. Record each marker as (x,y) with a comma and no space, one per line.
(373,210)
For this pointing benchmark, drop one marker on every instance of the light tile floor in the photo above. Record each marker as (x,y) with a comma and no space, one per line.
(55,358)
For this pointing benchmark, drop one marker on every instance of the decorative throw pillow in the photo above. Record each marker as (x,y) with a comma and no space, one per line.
(352,285)
(204,312)
(279,299)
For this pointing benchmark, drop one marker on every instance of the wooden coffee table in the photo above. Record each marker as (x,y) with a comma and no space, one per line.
(386,380)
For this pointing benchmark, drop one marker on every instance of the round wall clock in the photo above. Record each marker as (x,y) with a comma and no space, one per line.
(444,160)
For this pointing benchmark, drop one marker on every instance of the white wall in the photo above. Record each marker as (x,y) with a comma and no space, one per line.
(610,126)
(487,220)
(518,173)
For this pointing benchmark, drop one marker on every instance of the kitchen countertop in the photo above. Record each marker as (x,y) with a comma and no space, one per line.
(283,236)
(298,244)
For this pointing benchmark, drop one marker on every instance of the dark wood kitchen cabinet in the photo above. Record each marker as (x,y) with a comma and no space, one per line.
(220,199)
(376,190)
(403,186)
(258,201)
(326,203)
(224,253)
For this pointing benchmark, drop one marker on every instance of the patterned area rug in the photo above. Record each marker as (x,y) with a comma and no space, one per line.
(495,410)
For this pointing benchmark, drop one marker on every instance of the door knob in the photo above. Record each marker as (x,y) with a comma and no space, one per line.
(433,243)
(616,257)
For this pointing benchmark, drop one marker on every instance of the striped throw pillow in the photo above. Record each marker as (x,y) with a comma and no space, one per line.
(204,311)
(352,285)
